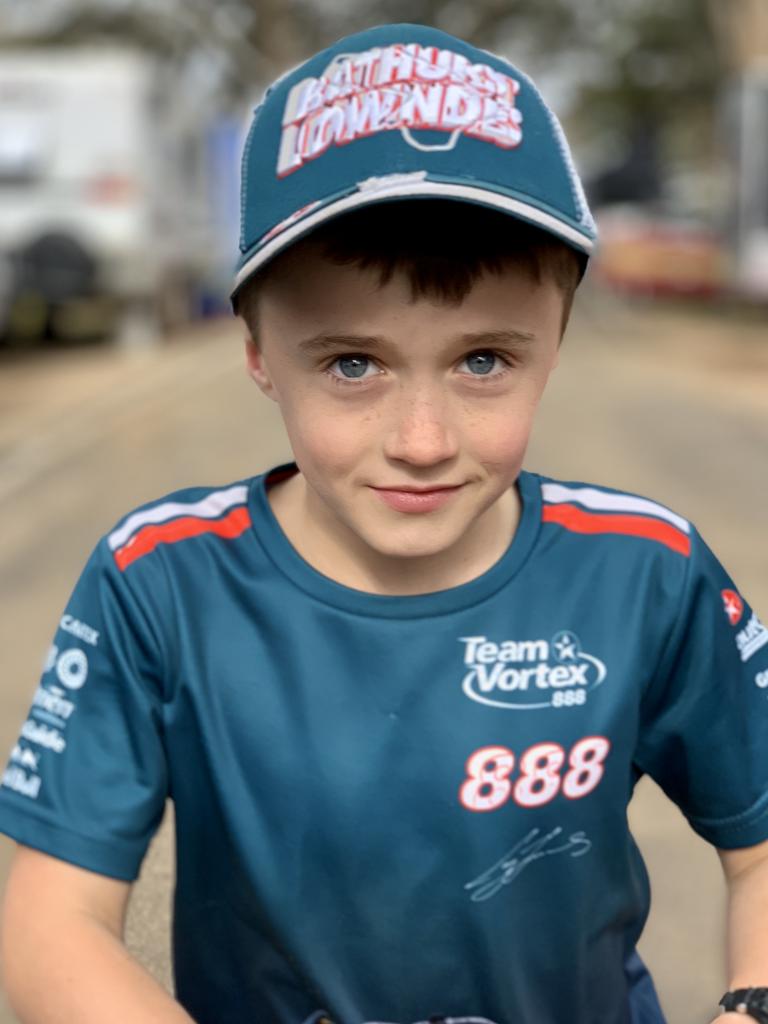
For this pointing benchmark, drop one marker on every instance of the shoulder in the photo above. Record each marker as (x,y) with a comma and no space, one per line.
(627,521)
(214,511)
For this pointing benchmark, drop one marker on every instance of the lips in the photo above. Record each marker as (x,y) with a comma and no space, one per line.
(420,490)
(416,500)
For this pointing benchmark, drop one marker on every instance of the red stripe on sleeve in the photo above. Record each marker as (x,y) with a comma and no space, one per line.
(146,540)
(579,521)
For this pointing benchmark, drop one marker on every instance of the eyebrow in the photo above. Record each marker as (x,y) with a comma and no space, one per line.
(353,342)
(373,342)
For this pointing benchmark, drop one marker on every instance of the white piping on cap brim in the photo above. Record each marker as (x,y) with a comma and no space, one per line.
(486,197)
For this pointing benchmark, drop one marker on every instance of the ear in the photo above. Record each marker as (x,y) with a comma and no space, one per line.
(257,368)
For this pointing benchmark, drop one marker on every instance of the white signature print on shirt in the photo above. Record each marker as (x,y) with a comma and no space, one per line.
(445,1020)
(321,1017)
(533,847)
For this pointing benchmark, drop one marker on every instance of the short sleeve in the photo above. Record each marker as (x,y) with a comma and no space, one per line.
(87,780)
(704,721)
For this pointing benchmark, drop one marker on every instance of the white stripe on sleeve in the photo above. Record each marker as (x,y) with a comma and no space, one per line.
(602,501)
(209,508)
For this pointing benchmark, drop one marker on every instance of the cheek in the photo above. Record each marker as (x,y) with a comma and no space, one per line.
(506,445)
(321,435)
(500,438)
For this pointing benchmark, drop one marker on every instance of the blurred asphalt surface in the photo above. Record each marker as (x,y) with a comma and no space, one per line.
(666,403)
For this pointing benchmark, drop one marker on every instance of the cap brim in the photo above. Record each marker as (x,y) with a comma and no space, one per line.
(423,189)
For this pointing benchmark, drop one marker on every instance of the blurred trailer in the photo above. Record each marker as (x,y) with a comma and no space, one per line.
(104,223)
(741,32)
(749,107)
(643,252)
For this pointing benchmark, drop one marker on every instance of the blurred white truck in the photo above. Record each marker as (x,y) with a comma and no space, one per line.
(749,146)
(105,216)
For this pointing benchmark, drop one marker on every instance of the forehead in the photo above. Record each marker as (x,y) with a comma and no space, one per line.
(306,291)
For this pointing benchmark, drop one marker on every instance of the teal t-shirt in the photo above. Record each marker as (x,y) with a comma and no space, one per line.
(397,808)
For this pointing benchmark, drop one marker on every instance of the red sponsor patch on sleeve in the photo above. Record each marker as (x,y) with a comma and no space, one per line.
(733,605)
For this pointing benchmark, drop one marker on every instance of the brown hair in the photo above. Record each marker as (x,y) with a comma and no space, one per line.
(442,247)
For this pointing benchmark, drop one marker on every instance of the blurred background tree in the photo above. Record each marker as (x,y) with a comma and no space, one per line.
(665,118)
(625,73)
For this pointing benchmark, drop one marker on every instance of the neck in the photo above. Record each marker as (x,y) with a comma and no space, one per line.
(337,552)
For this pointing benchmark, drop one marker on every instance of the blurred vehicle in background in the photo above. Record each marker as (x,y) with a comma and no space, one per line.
(643,251)
(698,233)
(661,226)
(106,176)
(747,105)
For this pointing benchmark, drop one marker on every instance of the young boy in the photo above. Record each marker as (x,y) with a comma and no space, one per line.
(400,690)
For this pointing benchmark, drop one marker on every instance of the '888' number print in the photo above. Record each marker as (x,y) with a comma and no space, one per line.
(488,783)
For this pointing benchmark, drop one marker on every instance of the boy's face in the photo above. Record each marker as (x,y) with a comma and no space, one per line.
(379,392)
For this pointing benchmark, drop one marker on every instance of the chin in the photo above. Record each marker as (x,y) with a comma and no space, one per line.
(416,541)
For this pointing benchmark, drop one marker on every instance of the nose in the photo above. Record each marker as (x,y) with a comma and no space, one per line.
(422,432)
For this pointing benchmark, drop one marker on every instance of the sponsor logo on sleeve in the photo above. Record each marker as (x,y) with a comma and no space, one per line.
(19,781)
(733,605)
(71,666)
(43,736)
(750,639)
(80,629)
(25,757)
(527,674)
(53,702)
(51,710)
(20,774)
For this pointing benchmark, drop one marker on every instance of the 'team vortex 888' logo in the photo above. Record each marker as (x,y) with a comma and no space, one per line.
(527,674)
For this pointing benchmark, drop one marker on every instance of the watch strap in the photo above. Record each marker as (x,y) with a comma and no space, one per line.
(750,1001)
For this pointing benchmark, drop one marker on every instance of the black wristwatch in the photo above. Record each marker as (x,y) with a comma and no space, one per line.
(751,1001)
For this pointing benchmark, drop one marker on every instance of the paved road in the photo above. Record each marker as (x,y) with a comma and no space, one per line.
(670,405)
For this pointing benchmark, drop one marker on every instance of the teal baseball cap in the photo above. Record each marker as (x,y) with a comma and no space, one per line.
(403,112)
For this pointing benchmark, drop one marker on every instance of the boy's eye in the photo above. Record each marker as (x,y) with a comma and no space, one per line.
(352,367)
(356,366)
(481,363)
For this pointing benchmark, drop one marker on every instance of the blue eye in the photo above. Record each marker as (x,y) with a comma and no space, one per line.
(353,366)
(481,362)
